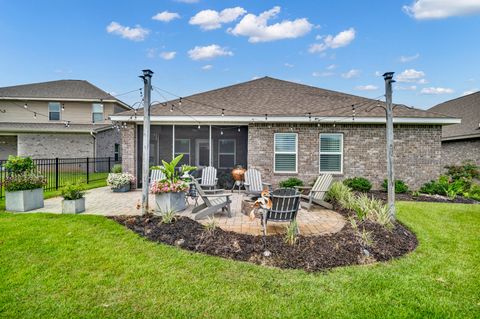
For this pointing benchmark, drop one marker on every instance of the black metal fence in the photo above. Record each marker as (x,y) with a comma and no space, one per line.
(59,171)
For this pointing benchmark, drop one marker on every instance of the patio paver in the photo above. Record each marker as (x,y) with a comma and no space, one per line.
(102,201)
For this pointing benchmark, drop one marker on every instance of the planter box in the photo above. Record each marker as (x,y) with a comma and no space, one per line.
(23,201)
(73,206)
(166,202)
(123,189)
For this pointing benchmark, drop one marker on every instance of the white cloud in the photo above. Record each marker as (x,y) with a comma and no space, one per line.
(166,16)
(351,74)
(412,75)
(322,74)
(136,33)
(288,65)
(151,53)
(211,19)
(378,73)
(436,91)
(168,55)
(405,59)
(256,28)
(368,87)
(471,91)
(342,39)
(331,67)
(208,52)
(188,1)
(406,88)
(207,67)
(438,9)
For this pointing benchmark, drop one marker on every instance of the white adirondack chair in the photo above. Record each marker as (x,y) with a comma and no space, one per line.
(209,177)
(318,191)
(156,175)
(253,182)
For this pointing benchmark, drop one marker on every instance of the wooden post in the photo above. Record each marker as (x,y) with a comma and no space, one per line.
(147,81)
(388,76)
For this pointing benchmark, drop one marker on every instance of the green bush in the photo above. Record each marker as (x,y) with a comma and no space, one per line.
(400,186)
(73,191)
(117,168)
(291,182)
(18,165)
(467,170)
(359,184)
(338,192)
(473,192)
(23,181)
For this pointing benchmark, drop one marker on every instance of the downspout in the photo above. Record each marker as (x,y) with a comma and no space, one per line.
(94,143)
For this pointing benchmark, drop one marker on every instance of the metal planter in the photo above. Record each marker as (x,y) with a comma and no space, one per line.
(166,202)
(73,206)
(23,201)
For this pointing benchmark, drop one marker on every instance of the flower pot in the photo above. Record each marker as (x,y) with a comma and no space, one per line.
(122,189)
(23,201)
(166,202)
(73,206)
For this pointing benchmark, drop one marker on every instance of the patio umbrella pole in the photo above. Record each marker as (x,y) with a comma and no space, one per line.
(147,81)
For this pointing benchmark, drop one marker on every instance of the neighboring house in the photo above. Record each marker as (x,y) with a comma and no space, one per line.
(287,129)
(64,119)
(461,142)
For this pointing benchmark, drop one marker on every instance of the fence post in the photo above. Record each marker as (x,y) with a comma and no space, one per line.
(57,177)
(88,170)
(109,164)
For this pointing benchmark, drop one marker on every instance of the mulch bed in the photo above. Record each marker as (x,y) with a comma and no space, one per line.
(423,198)
(312,253)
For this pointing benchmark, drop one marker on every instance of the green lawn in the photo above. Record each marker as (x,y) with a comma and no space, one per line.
(90,267)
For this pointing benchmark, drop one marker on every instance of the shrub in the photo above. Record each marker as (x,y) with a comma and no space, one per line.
(73,191)
(291,236)
(360,184)
(467,170)
(211,226)
(400,186)
(23,181)
(473,192)
(168,217)
(291,182)
(116,169)
(337,192)
(18,165)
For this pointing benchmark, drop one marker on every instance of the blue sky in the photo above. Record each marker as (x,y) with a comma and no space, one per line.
(432,45)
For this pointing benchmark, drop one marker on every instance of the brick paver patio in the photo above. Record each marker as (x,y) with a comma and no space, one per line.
(101,201)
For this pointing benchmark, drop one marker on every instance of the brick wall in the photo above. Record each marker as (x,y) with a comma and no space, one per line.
(417,151)
(8,146)
(455,152)
(53,145)
(129,141)
(106,141)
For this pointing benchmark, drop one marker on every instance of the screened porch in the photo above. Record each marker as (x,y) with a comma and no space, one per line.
(220,146)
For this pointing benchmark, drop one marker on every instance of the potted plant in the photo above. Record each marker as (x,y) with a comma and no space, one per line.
(170,192)
(73,200)
(23,187)
(119,182)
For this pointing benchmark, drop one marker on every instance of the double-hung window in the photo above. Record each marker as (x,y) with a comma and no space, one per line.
(285,146)
(331,153)
(97,112)
(182,146)
(54,111)
(117,152)
(226,153)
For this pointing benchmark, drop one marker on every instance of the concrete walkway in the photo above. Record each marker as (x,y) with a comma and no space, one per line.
(102,201)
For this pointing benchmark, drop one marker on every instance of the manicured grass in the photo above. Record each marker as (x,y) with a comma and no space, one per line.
(90,267)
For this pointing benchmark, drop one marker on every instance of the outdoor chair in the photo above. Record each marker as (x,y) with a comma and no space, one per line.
(285,205)
(317,192)
(156,175)
(209,177)
(213,201)
(253,182)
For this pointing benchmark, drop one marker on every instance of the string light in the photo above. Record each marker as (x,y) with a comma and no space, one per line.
(26,105)
(67,123)
(171,108)
(223,112)
(239,129)
(180,102)
(34,115)
(63,107)
(333,124)
(198,126)
(309,116)
(266,117)
(221,132)
(353,112)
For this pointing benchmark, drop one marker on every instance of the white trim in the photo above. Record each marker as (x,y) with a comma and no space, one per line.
(243,120)
(59,111)
(335,153)
(210,151)
(275,152)
(123,104)
(234,151)
(93,113)
(173,141)
(197,151)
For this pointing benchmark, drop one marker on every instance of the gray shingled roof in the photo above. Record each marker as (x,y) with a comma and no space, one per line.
(52,127)
(61,89)
(468,109)
(278,97)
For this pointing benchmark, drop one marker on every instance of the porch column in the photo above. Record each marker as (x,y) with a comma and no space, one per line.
(129,144)
(173,141)
(209,145)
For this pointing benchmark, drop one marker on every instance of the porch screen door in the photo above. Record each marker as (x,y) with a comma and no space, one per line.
(202,153)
